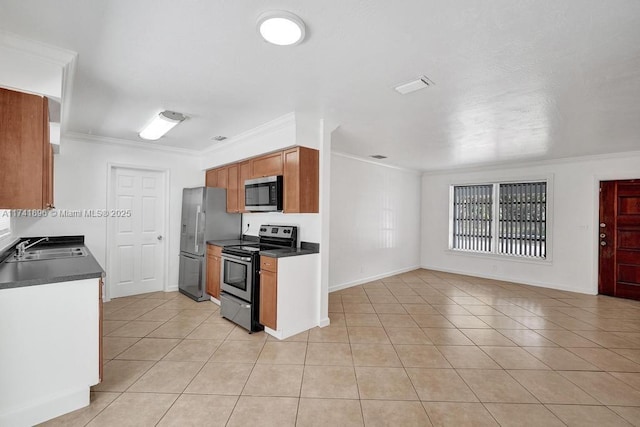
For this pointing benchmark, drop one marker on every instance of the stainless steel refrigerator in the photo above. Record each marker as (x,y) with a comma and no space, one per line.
(204,217)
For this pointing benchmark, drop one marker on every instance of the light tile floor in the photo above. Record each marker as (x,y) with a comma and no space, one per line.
(422,348)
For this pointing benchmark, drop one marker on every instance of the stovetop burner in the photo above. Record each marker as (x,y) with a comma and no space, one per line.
(251,248)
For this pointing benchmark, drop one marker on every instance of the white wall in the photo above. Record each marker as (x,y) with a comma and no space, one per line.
(283,132)
(574,221)
(375,221)
(80,182)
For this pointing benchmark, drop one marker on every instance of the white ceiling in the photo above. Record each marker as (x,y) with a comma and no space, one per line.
(514,80)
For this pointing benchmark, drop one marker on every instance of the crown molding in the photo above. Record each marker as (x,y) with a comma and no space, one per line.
(42,51)
(373,162)
(532,163)
(272,126)
(65,59)
(105,140)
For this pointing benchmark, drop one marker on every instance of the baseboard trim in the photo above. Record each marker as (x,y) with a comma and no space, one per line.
(371,278)
(46,409)
(504,279)
(171,289)
(324,322)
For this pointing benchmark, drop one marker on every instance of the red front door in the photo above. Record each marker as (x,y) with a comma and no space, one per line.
(619,270)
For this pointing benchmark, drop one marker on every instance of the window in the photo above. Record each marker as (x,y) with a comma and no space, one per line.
(520,209)
(472,217)
(5,223)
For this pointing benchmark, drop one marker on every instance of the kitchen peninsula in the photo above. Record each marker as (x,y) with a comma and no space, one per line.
(50,324)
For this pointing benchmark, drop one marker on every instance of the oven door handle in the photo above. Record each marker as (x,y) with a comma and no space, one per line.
(236,258)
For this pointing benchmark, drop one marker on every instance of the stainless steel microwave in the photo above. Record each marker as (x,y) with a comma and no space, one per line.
(263,194)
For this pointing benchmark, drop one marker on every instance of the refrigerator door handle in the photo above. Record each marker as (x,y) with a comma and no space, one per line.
(196,231)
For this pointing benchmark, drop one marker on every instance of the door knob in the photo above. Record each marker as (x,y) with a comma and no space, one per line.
(160,237)
(603,243)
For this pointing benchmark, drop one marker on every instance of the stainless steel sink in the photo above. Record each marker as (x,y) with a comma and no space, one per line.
(53,253)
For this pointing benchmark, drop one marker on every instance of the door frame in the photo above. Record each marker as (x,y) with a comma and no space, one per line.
(595,238)
(111,173)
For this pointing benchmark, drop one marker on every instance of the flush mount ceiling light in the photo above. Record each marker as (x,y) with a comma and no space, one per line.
(161,124)
(281,28)
(414,85)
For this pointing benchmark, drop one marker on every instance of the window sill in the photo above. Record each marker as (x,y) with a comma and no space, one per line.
(497,257)
(7,241)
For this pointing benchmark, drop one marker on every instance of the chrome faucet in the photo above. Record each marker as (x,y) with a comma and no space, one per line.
(23,246)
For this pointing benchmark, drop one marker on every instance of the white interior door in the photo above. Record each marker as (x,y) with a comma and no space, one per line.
(138,248)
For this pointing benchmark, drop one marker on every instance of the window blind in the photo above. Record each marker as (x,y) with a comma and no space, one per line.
(522,219)
(520,224)
(472,217)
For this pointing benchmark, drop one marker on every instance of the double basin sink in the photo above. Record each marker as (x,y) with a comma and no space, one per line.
(45,254)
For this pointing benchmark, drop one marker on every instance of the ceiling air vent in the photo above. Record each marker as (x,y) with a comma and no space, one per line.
(414,85)
(219,138)
(378,156)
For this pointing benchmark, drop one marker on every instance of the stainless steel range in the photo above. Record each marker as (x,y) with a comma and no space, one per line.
(240,275)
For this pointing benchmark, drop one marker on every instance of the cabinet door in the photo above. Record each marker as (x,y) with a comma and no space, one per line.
(301,180)
(213,275)
(24,151)
(232,189)
(211,178)
(243,175)
(222,178)
(269,299)
(291,181)
(268,165)
(214,254)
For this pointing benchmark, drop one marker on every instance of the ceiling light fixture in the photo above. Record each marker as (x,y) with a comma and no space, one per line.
(281,28)
(161,124)
(414,85)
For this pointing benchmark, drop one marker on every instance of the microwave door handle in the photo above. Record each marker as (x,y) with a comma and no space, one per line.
(195,242)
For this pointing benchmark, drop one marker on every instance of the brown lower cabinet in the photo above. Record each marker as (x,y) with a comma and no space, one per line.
(213,270)
(269,292)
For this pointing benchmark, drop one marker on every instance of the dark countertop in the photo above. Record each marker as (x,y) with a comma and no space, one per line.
(305,248)
(287,252)
(39,272)
(234,242)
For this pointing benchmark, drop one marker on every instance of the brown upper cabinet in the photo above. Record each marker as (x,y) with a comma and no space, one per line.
(232,189)
(301,180)
(245,174)
(223,180)
(217,177)
(26,156)
(267,165)
(211,178)
(299,167)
